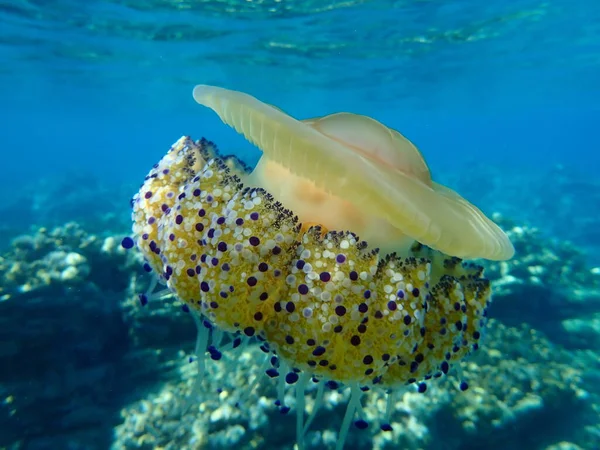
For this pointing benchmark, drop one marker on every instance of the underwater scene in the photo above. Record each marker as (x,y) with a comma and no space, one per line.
(300,224)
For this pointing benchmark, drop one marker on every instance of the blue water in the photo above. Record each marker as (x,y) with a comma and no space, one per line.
(502,97)
(105,86)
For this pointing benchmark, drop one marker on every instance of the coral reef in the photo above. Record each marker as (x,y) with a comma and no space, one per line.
(548,285)
(59,257)
(62,335)
(115,362)
(537,385)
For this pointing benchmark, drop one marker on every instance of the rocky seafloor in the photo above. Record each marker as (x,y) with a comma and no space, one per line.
(84,366)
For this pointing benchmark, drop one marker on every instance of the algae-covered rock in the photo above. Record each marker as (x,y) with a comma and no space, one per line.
(547,285)
(95,357)
(63,339)
(517,381)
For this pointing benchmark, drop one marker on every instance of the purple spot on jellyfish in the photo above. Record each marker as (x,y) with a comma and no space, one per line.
(303,289)
(127,243)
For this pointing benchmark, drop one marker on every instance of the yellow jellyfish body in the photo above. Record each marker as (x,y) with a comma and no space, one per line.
(325,307)
(349,172)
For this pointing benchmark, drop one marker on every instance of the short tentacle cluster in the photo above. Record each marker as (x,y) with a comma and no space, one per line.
(323,303)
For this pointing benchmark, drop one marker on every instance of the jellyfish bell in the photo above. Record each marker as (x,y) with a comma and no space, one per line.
(374,141)
(349,172)
(317,205)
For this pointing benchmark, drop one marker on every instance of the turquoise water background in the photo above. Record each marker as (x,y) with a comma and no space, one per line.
(105,86)
(501,96)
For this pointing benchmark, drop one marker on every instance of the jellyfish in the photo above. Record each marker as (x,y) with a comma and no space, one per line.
(278,254)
